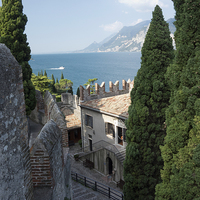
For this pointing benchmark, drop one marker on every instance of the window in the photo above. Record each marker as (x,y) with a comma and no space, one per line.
(89,121)
(110,130)
(124,134)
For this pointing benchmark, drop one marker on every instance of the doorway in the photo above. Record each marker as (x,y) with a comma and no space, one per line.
(90,143)
(109,165)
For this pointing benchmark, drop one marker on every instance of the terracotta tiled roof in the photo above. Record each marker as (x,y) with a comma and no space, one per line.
(117,105)
(72,122)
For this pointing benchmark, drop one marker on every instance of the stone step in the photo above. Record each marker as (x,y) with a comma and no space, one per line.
(121,155)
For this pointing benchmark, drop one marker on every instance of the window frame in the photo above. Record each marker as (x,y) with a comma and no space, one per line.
(108,127)
(89,121)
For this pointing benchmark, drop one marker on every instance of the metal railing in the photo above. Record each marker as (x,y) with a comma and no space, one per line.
(99,187)
(103,144)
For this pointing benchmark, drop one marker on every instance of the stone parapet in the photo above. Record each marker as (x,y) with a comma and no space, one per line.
(101,93)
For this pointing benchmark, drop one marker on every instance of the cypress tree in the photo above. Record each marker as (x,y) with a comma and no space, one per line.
(45,73)
(78,92)
(41,73)
(12,26)
(53,83)
(145,125)
(181,150)
(57,80)
(53,79)
(62,76)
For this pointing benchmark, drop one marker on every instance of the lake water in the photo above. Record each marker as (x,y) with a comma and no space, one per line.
(79,67)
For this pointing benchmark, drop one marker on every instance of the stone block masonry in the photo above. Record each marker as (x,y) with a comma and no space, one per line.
(101,93)
(49,166)
(15,168)
(52,111)
(48,109)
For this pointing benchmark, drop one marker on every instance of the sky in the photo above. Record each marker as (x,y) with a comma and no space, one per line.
(68,25)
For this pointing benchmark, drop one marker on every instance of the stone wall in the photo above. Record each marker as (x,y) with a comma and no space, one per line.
(101,93)
(52,111)
(15,168)
(48,109)
(50,166)
(40,163)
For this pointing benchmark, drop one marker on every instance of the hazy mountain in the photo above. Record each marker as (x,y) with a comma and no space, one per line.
(172,28)
(95,46)
(128,39)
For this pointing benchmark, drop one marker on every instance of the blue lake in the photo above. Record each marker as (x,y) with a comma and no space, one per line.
(79,67)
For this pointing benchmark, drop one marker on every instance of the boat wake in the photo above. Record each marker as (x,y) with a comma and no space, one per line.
(59,68)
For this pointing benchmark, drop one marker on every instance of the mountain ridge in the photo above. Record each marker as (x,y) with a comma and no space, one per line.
(128,39)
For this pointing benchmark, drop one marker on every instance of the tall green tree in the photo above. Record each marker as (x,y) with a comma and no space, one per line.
(78,92)
(53,79)
(45,73)
(62,76)
(181,150)
(12,26)
(53,83)
(146,122)
(41,83)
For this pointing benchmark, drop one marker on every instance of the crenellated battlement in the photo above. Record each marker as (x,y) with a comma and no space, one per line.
(101,93)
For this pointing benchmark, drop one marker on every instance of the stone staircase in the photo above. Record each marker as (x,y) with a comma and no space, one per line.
(81,192)
(121,155)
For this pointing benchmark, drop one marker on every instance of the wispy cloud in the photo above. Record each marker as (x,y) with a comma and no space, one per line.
(116,26)
(125,12)
(143,5)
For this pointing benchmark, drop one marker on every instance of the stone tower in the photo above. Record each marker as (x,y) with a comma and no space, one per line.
(15,169)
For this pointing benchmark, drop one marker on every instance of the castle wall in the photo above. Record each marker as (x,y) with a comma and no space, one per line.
(50,166)
(48,109)
(15,168)
(101,93)
(70,102)
(52,111)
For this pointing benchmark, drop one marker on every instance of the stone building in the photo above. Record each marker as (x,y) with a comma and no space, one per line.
(103,116)
(69,106)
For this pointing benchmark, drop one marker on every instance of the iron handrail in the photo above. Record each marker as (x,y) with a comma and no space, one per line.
(96,186)
(103,144)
